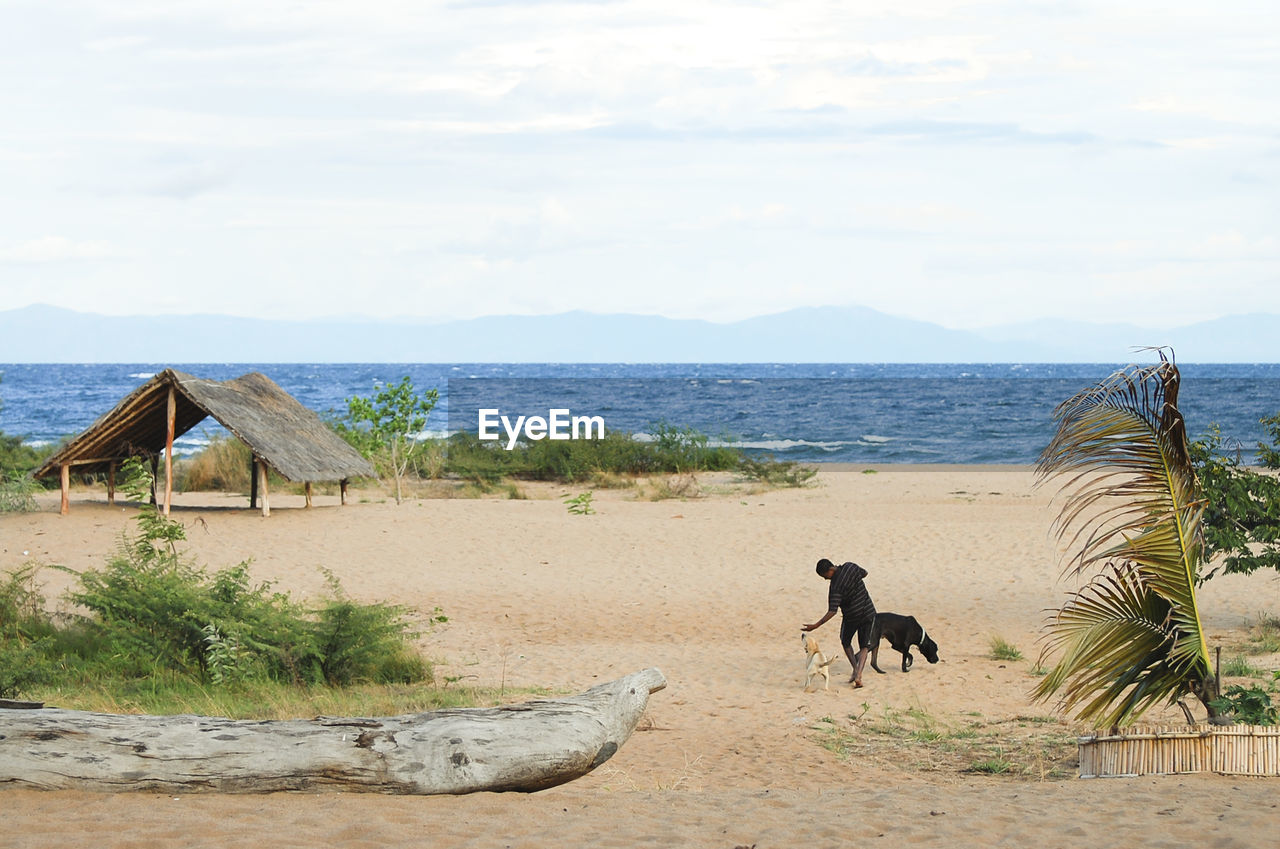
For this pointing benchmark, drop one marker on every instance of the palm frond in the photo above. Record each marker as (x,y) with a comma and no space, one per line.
(1116,637)
(1132,637)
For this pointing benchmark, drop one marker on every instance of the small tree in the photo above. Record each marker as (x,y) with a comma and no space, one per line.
(389,425)
(1242,517)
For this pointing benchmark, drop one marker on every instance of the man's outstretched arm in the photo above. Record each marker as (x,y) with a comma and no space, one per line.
(819,623)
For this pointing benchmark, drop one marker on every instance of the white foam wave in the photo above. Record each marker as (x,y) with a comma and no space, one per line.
(779,444)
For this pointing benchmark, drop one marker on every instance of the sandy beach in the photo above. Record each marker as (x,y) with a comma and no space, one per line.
(712,590)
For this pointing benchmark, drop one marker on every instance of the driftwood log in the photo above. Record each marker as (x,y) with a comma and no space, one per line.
(524,747)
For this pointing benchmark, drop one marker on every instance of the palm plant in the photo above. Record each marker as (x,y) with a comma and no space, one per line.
(1131,636)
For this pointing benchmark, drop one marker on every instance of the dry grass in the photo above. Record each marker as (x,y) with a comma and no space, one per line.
(679,486)
(1032,748)
(223,466)
(270,700)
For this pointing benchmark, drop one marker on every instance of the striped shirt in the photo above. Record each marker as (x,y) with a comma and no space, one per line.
(849,594)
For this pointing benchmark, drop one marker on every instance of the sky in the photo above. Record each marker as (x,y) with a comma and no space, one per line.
(964,163)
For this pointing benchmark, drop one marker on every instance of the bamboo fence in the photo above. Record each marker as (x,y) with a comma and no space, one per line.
(1167,750)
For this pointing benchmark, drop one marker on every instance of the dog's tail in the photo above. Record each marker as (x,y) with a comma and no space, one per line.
(828,661)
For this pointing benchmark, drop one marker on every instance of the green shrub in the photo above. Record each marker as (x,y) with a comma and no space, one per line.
(25,632)
(17,457)
(671,450)
(1250,705)
(355,642)
(150,609)
(23,667)
(683,449)
(17,492)
(580,504)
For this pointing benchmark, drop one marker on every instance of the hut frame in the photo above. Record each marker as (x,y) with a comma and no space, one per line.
(281,433)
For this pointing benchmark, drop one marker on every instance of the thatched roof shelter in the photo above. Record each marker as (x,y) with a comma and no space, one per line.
(281,433)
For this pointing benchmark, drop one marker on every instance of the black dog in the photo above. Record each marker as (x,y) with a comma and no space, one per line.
(902,632)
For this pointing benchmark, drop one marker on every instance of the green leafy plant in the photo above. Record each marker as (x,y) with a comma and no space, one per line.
(580,504)
(388,426)
(1132,636)
(1250,705)
(17,492)
(224,656)
(1242,512)
(687,449)
(151,609)
(24,634)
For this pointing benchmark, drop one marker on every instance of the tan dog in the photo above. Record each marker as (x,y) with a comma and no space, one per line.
(816,665)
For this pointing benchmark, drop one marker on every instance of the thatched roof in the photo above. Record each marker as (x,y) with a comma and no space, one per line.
(278,430)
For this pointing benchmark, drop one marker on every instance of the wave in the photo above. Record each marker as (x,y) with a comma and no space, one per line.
(779,444)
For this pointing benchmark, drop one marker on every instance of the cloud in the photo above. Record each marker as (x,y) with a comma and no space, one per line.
(700,155)
(54,250)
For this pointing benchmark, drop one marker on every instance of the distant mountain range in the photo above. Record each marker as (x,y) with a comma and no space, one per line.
(811,334)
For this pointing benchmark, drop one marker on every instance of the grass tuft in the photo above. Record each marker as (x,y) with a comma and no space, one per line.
(1001,649)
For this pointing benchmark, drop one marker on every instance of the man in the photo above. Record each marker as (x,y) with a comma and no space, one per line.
(857,612)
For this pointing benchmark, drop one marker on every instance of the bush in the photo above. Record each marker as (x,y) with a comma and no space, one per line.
(356,642)
(1250,705)
(17,457)
(671,451)
(25,633)
(152,611)
(683,449)
(17,493)
(1242,511)
(162,612)
(17,461)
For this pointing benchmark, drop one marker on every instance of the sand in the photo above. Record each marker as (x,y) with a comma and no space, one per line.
(711,590)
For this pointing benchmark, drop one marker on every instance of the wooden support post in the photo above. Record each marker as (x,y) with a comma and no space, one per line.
(171,416)
(111,482)
(342,488)
(155,472)
(308,492)
(66,488)
(262,487)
